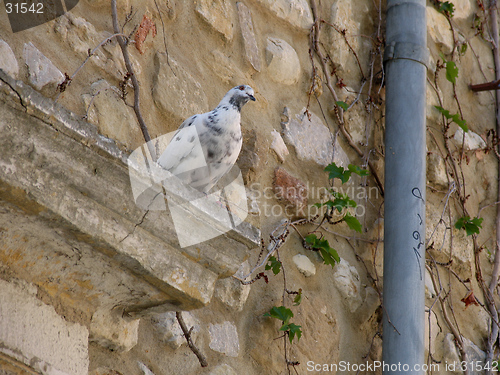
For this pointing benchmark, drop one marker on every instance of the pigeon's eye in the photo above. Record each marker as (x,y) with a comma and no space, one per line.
(242,88)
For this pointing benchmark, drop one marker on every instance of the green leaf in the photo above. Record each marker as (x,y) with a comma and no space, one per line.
(338,172)
(329,255)
(298,298)
(451,71)
(455,118)
(311,239)
(447,8)
(341,201)
(293,330)
(359,171)
(471,226)
(352,222)
(344,174)
(274,264)
(342,105)
(329,258)
(280,313)
(463,49)
(445,112)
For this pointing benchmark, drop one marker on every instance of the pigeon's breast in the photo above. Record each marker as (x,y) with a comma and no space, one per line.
(221,137)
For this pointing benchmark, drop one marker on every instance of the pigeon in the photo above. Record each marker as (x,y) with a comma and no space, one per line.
(207,145)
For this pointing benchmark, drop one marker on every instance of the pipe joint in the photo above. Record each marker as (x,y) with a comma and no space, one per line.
(407,51)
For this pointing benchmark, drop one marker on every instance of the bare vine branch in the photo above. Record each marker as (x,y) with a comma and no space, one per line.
(135,82)
(315,30)
(187,335)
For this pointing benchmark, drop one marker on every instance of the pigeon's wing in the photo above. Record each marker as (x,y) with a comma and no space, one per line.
(184,151)
(190,121)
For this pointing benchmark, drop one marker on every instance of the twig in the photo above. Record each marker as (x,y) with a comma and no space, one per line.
(90,53)
(496,56)
(454,331)
(135,82)
(275,243)
(493,336)
(338,110)
(357,96)
(187,335)
(343,32)
(163,28)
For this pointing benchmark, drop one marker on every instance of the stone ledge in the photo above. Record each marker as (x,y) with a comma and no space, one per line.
(73,183)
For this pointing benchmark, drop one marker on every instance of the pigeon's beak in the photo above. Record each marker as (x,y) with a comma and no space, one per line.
(251,97)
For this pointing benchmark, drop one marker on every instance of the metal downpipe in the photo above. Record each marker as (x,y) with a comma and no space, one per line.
(405,62)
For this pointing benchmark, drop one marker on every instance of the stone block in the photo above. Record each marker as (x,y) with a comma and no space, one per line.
(283,65)
(471,141)
(33,333)
(252,157)
(348,283)
(279,146)
(304,265)
(438,30)
(231,292)
(110,113)
(312,140)
(290,190)
(436,171)
(474,354)
(41,70)
(224,338)
(249,40)
(111,331)
(8,61)
(169,330)
(218,14)
(296,12)
(174,89)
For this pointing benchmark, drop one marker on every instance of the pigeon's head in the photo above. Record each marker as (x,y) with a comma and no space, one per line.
(239,95)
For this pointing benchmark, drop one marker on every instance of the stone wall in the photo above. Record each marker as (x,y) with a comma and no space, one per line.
(101,278)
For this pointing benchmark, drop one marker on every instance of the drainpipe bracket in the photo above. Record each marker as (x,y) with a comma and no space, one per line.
(407,51)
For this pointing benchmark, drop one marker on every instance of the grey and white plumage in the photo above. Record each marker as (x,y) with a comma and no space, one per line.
(201,164)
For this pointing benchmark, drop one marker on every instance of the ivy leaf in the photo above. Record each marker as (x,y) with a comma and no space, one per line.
(298,298)
(311,239)
(469,299)
(359,171)
(445,112)
(329,258)
(329,254)
(342,105)
(344,174)
(447,8)
(280,313)
(274,264)
(352,222)
(455,118)
(471,226)
(293,330)
(463,49)
(451,71)
(341,201)
(338,172)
